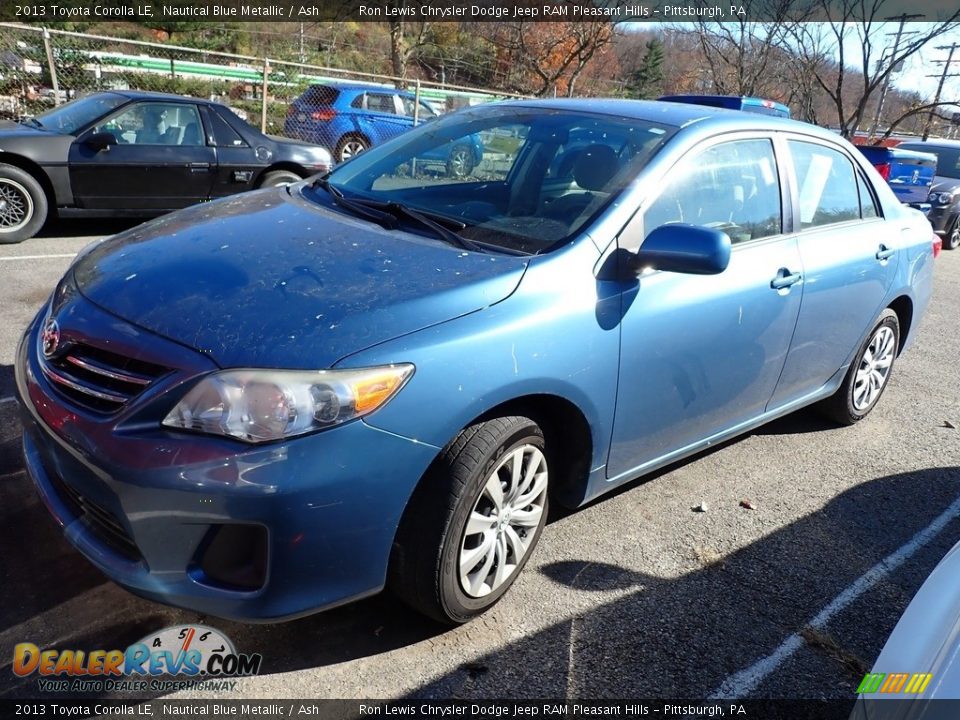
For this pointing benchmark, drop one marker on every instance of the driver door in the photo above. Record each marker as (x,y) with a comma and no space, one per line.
(160,161)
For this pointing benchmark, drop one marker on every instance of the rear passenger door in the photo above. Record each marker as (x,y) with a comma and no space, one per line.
(384,118)
(849,260)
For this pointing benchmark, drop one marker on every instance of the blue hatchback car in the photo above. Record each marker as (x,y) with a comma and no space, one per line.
(348,118)
(283,401)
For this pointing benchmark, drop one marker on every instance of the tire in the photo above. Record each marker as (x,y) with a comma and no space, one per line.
(873,365)
(23,205)
(460,162)
(350,146)
(951,240)
(435,541)
(279,178)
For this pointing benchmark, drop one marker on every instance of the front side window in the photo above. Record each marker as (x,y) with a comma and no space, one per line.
(410,104)
(156,124)
(826,183)
(732,187)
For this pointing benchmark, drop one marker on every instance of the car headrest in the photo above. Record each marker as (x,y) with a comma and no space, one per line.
(595,167)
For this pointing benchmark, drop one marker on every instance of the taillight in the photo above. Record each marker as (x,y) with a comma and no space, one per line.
(884,170)
(937,246)
(324,114)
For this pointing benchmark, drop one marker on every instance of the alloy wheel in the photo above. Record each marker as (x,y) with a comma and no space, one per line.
(504,521)
(874,368)
(16,205)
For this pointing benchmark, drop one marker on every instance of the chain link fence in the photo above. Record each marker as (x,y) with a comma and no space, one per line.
(40,68)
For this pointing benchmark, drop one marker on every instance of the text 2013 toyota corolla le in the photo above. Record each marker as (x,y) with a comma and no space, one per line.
(279,402)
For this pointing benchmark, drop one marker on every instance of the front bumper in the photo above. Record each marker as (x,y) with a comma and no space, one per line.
(142,503)
(943,218)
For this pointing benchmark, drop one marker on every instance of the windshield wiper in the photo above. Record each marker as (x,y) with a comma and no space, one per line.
(33,122)
(429,220)
(384,219)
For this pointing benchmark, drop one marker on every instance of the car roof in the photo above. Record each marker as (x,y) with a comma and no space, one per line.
(680,114)
(358,86)
(150,95)
(933,142)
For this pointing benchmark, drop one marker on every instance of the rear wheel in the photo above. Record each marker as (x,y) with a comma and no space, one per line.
(460,162)
(868,375)
(350,146)
(474,521)
(23,205)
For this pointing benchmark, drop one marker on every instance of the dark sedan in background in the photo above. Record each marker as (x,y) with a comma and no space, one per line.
(129,153)
(944,196)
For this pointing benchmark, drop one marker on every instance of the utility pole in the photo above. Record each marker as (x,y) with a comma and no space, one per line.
(902,17)
(943,77)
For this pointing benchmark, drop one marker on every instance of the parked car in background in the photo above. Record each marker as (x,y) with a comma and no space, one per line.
(733,102)
(918,663)
(908,173)
(129,153)
(394,388)
(944,195)
(349,118)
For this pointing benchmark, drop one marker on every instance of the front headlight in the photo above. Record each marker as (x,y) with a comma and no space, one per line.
(941,198)
(264,405)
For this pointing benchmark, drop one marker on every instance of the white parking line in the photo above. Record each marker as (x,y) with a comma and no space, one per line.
(4,401)
(746,681)
(37,257)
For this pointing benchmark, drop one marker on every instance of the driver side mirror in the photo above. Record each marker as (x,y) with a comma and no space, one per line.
(100,141)
(682,248)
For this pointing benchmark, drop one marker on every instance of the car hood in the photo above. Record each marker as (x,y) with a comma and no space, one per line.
(267,279)
(944,184)
(10,129)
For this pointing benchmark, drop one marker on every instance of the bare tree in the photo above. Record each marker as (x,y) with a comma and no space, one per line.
(851,79)
(740,55)
(547,57)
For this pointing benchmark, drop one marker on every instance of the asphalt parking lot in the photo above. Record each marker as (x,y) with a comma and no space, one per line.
(636,595)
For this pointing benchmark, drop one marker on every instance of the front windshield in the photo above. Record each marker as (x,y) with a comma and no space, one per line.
(519,178)
(77,114)
(948,159)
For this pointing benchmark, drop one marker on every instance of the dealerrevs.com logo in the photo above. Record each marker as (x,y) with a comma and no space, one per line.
(201,657)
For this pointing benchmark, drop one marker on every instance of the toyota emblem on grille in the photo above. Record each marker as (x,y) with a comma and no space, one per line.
(50,338)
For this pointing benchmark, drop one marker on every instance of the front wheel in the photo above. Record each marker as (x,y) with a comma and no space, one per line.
(474,521)
(279,178)
(951,240)
(868,375)
(23,205)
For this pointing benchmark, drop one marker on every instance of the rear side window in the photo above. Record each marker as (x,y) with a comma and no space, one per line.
(381,103)
(732,187)
(827,185)
(223,134)
(320,95)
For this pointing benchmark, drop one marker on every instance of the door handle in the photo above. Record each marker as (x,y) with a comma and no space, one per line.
(785,279)
(884,252)
(198,166)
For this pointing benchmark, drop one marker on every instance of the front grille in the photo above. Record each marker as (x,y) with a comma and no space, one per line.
(101,521)
(98,379)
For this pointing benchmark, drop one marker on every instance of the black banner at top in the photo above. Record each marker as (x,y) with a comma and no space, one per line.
(615,11)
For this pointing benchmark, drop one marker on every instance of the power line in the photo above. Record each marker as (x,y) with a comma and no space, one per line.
(943,77)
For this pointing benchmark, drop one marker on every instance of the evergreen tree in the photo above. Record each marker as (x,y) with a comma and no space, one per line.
(647,80)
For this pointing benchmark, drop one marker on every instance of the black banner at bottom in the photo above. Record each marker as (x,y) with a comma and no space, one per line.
(477,709)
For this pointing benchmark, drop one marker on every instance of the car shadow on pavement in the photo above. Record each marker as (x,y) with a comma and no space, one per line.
(640,635)
(683,636)
(83,227)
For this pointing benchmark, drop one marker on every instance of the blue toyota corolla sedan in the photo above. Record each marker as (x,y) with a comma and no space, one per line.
(283,401)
